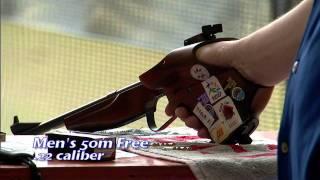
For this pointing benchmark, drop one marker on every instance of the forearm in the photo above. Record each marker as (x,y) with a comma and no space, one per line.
(267,55)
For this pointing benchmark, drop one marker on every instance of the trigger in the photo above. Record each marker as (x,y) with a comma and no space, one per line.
(152,125)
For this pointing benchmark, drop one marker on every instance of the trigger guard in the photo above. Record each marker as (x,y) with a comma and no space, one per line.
(150,120)
(152,125)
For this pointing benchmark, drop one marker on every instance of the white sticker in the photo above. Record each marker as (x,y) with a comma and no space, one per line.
(205,117)
(213,89)
(199,72)
(227,111)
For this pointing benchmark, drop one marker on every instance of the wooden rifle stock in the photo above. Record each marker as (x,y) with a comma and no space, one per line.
(114,110)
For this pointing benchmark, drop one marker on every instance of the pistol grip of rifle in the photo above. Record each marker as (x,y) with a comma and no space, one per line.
(193,91)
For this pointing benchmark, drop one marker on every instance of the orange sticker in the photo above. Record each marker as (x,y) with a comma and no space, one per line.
(219,133)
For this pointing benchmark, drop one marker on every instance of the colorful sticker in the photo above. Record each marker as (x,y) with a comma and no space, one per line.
(199,72)
(238,94)
(204,99)
(230,84)
(210,109)
(213,89)
(204,116)
(219,132)
(227,111)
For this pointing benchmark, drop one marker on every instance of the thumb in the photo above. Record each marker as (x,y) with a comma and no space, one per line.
(228,54)
(219,53)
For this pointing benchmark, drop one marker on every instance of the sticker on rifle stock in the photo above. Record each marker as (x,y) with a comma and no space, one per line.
(213,89)
(219,131)
(204,116)
(227,111)
(238,94)
(230,84)
(211,111)
(204,99)
(199,72)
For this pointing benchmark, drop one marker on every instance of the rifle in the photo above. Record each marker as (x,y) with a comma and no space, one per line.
(225,102)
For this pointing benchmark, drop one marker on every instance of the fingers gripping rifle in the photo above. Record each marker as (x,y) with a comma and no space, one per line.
(221,98)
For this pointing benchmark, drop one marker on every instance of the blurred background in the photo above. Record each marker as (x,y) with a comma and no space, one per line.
(57,55)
